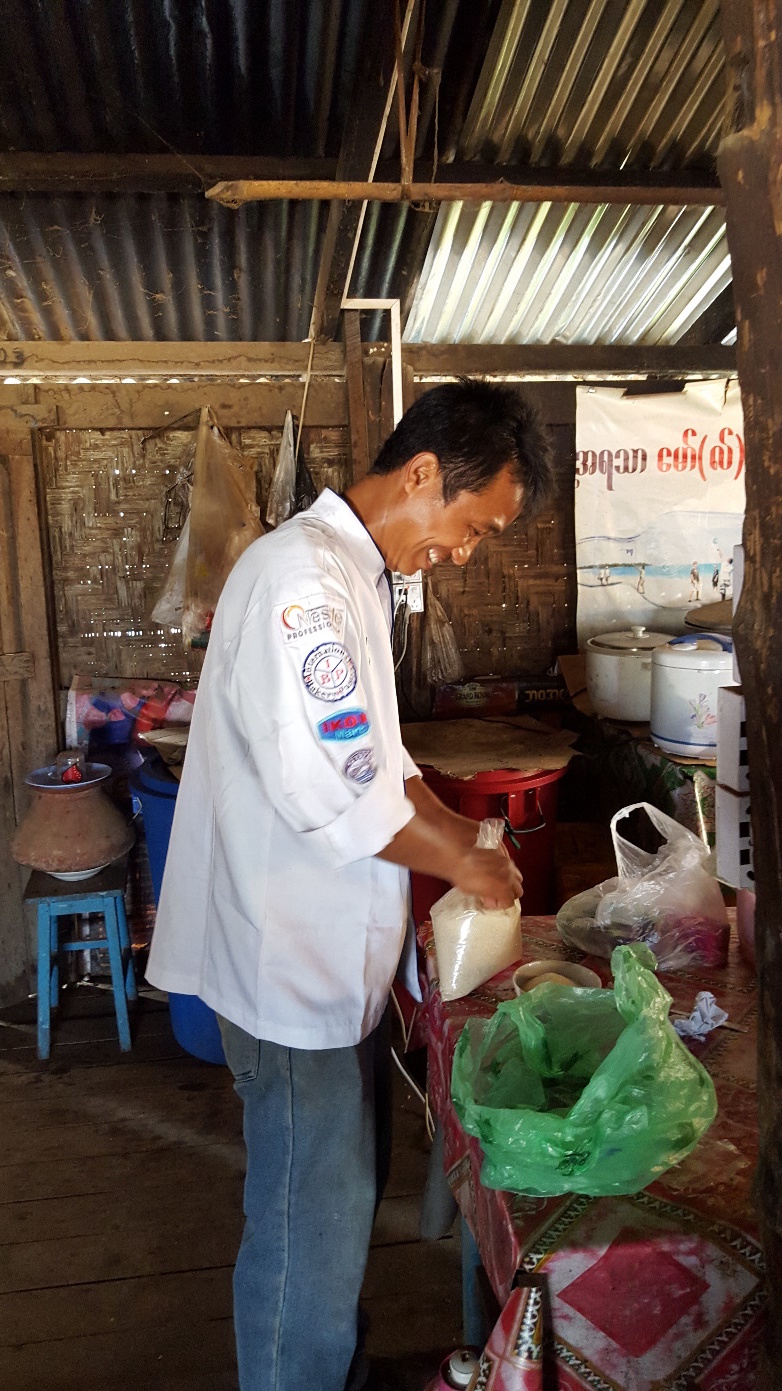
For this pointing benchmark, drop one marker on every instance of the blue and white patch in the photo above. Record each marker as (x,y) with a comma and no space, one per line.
(360,766)
(329,672)
(347,724)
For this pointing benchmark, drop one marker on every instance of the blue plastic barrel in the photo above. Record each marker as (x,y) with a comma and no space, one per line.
(194,1023)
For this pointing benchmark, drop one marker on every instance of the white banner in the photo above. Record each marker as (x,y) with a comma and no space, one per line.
(659,504)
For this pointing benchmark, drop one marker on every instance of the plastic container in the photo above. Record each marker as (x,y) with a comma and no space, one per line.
(686,676)
(527,802)
(194,1024)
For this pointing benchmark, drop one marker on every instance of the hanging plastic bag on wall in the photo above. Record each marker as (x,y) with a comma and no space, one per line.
(223,523)
(292,489)
(282,493)
(668,900)
(582,1091)
(473,943)
(171,600)
(440,655)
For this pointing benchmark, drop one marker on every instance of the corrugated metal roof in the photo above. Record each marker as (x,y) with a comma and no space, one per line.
(602,84)
(611,83)
(156,267)
(200,76)
(568,273)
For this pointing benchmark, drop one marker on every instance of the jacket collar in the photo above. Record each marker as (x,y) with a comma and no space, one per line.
(340,516)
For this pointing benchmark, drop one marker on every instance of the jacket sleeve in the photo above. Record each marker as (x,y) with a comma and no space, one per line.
(316,737)
(411,769)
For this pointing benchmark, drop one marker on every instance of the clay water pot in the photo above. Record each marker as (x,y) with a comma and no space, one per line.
(71,830)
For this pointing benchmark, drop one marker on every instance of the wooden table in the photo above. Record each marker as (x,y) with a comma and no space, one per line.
(660,1290)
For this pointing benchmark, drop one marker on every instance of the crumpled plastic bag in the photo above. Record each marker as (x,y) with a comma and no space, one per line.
(473,943)
(582,1091)
(668,900)
(223,523)
(292,489)
(171,600)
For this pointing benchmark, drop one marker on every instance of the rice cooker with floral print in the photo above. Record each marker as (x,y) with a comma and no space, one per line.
(686,675)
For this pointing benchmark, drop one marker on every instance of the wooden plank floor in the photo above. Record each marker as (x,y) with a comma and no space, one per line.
(120,1216)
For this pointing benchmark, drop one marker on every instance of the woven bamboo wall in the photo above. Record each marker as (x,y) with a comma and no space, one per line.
(105,496)
(513,608)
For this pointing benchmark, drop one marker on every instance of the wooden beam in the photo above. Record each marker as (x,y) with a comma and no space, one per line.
(749,162)
(441,359)
(138,363)
(16,666)
(354,373)
(260,406)
(64,172)
(26,361)
(492,184)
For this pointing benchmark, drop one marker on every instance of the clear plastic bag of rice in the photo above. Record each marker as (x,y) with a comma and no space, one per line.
(474,943)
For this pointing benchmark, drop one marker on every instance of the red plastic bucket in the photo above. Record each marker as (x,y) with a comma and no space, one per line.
(527,803)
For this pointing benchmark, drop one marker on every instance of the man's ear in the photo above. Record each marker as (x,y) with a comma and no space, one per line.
(422,471)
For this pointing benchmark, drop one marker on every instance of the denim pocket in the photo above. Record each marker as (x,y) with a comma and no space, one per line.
(242,1051)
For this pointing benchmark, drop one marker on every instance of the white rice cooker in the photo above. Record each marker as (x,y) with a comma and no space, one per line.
(619,673)
(686,675)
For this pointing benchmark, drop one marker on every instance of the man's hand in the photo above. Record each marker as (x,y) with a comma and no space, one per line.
(488,875)
(439,842)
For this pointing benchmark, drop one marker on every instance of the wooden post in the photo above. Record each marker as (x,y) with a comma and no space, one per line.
(28,719)
(357,411)
(749,163)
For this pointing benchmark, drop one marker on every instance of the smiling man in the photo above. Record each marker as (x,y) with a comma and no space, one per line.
(285,899)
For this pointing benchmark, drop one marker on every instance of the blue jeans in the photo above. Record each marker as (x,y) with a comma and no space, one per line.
(317,1132)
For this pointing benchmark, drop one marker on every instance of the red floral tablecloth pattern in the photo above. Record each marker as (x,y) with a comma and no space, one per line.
(660,1290)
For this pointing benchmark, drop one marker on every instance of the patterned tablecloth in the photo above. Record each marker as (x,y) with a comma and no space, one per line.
(661,1290)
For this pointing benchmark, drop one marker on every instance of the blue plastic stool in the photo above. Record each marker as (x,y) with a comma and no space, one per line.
(56,899)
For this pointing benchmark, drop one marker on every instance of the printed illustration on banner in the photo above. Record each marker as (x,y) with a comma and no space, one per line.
(348,724)
(659,504)
(360,766)
(309,617)
(329,673)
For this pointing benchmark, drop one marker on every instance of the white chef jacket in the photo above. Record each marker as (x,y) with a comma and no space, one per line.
(274,909)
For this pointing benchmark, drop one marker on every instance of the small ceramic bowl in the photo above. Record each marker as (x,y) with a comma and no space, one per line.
(580,975)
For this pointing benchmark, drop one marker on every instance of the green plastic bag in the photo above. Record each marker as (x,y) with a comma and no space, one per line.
(582,1091)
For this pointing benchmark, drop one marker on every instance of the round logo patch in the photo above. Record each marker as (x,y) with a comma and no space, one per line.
(360,767)
(329,673)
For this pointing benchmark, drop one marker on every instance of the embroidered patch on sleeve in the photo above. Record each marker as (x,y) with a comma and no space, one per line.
(360,766)
(348,724)
(329,672)
(308,618)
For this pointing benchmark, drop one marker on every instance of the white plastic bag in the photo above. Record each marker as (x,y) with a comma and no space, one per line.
(171,600)
(474,943)
(282,493)
(668,900)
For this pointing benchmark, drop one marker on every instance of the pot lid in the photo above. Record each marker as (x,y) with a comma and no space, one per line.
(48,778)
(712,618)
(705,651)
(634,639)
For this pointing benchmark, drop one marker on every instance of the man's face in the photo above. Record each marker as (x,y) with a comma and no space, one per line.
(435,530)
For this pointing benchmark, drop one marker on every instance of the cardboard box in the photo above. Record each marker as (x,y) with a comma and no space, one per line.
(734,839)
(732,757)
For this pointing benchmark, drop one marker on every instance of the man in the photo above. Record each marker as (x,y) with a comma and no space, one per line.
(284,903)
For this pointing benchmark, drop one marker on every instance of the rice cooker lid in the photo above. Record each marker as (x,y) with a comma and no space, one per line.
(636,639)
(697,651)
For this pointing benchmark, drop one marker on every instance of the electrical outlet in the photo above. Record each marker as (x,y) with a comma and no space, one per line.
(410,589)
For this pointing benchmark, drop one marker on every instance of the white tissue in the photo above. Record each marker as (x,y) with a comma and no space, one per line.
(706,1016)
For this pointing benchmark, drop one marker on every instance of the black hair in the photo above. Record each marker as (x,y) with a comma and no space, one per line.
(476,429)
